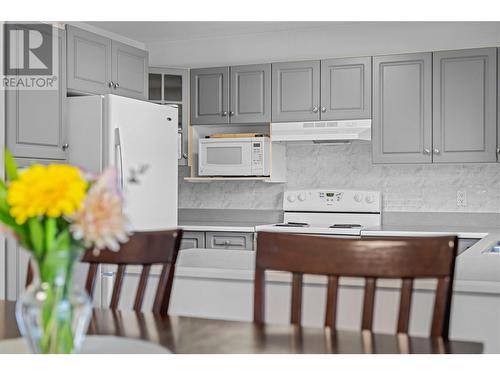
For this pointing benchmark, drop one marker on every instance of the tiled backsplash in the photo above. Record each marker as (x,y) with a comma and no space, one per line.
(405,187)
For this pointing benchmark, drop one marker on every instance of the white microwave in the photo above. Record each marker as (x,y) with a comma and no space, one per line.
(233,156)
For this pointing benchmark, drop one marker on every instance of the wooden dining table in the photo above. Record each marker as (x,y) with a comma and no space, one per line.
(191,335)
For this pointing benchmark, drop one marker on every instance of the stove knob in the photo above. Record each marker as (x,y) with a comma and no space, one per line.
(290,198)
(358,197)
(369,199)
(302,197)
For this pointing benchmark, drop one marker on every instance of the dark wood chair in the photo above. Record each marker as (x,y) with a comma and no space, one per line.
(377,257)
(142,249)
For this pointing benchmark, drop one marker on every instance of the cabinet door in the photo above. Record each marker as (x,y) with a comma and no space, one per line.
(89,62)
(295,91)
(464,105)
(36,119)
(346,88)
(229,240)
(129,71)
(250,94)
(498,106)
(209,96)
(402,108)
(192,240)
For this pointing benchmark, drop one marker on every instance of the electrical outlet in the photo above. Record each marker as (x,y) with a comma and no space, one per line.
(461,198)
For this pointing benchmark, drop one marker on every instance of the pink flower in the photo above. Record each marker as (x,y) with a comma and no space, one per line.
(100,222)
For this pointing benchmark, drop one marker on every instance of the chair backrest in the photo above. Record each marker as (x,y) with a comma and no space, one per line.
(144,249)
(377,257)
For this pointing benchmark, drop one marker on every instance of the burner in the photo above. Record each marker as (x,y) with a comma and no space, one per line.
(292,224)
(345,226)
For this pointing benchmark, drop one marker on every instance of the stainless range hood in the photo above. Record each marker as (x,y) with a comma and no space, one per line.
(344,131)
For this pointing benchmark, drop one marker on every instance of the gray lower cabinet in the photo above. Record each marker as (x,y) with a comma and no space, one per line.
(402,108)
(35,119)
(209,96)
(129,71)
(99,65)
(192,240)
(296,91)
(464,105)
(89,62)
(229,240)
(346,88)
(250,94)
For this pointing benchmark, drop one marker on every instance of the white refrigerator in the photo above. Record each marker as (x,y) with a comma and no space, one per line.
(131,135)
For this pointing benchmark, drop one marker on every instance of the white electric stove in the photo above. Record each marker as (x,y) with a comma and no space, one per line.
(333,212)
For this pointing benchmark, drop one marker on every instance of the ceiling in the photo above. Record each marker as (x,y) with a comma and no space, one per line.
(150,32)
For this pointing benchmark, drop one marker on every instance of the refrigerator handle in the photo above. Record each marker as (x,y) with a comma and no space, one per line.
(118,156)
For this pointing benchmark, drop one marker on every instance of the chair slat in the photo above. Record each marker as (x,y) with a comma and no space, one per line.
(296,313)
(440,307)
(368,304)
(168,289)
(259,295)
(405,305)
(160,290)
(141,288)
(331,302)
(91,277)
(117,288)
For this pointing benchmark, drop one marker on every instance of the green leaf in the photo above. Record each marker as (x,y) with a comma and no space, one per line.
(63,241)
(10,166)
(50,232)
(36,236)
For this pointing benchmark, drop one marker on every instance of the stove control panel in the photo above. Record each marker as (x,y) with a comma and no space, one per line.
(332,200)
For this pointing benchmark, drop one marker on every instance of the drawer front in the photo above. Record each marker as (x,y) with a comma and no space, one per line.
(229,240)
(192,240)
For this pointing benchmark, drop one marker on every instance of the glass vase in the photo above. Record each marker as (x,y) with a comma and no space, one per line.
(52,315)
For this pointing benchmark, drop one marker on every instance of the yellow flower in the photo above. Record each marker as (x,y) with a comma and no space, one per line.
(52,190)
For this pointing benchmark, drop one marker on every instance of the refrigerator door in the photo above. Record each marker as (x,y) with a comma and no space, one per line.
(141,140)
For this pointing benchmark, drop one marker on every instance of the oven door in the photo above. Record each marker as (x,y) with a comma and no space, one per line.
(225,158)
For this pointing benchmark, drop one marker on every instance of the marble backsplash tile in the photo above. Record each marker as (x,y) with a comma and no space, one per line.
(405,187)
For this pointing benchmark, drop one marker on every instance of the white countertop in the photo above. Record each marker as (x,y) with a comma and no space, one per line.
(218,226)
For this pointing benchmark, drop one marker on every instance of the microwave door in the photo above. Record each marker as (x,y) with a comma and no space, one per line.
(225,159)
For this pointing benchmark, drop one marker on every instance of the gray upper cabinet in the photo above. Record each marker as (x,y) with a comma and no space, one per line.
(402,108)
(36,123)
(89,62)
(346,88)
(498,106)
(296,91)
(99,65)
(250,94)
(130,71)
(464,105)
(209,96)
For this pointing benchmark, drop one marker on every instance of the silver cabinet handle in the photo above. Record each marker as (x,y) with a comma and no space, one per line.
(224,113)
(427,151)
(117,85)
(111,84)
(65,146)
(436,151)
(185,156)
(231,113)
(498,150)
(323,109)
(315,109)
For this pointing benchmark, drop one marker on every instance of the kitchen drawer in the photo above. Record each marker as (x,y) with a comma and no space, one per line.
(229,240)
(191,240)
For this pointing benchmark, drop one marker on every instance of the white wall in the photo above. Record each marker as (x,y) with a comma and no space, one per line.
(337,40)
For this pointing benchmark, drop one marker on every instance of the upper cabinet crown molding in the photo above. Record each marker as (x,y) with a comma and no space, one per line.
(464,105)
(99,65)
